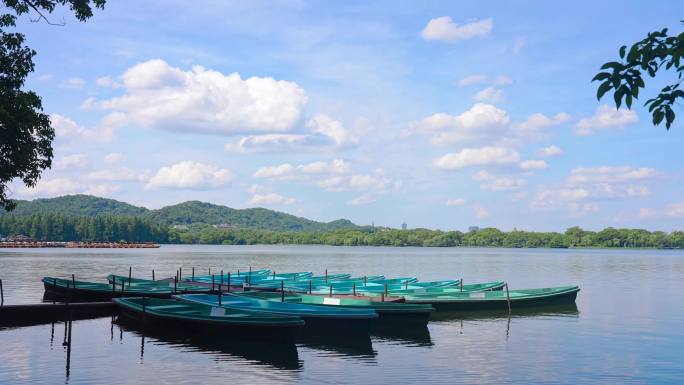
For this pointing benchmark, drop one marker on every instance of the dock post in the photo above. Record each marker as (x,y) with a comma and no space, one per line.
(210,271)
(153,274)
(130,271)
(309,286)
(249,277)
(354,289)
(365,280)
(386,292)
(330,291)
(123,289)
(2,294)
(229,281)
(193,273)
(73,281)
(326,275)
(213,284)
(273,274)
(461,284)
(175,285)
(508,299)
(180,273)
(282,291)
(238,272)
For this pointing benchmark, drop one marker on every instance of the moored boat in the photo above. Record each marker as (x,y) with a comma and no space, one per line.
(339,319)
(389,312)
(83,290)
(497,299)
(239,324)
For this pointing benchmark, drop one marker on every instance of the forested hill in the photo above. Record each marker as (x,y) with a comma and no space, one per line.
(192,212)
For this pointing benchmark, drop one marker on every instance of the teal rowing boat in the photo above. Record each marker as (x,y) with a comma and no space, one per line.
(100,291)
(474,287)
(315,317)
(497,299)
(210,319)
(389,312)
(182,287)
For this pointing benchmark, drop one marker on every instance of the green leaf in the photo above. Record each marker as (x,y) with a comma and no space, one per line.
(633,53)
(617,96)
(613,64)
(601,76)
(628,101)
(603,88)
(669,116)
(622,51)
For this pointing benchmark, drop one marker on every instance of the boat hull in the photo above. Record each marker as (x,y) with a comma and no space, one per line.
(502,303)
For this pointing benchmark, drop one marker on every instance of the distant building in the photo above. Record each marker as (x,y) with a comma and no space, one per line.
(403,226)
(473,229)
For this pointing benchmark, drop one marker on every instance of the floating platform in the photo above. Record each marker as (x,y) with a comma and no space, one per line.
(40,313)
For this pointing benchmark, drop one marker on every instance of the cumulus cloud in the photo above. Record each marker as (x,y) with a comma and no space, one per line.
(483,156)
(550,151)
(189,175)
(489,94)
(271,199)
(69,130)
(444,29)
(606,118)
(499,183)
(584,186)
(528,165)
(479,123)
(113,157)
(160,96)
(74,161)
(73,83)
(288,171)
(61,186)
(117,174)
(456,202)
(324,133)
(534,125)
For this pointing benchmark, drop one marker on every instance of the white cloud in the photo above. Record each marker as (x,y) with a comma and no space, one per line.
(533,165)
(489,94)
(62,186)
(675,210)
(484,156)
(282,171)
(550,151)
(44,77)
(67,129)
(189,175)
(499,183)
(647,213)
(586,185)
(117,174)
(456,202)
(444,29)
(287,171)
(518,44)
(538,121)
(160,96)
(324,133)
(73,83)
(112,158)
(606,118)
(107,81)
(479,123)
(355,182)
(480,212)
(271,199)
(74,161)
(361,200)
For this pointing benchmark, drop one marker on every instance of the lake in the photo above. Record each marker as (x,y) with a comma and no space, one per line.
(627,326)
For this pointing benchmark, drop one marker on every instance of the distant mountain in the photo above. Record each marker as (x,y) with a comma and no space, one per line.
(183,213)
(78,206)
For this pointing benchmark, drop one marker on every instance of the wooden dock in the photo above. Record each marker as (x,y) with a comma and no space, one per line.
(40,313)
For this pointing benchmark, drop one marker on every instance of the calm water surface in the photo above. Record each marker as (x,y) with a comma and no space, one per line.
(627,327)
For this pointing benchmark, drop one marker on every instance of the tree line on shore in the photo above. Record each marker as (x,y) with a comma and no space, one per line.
(57,227)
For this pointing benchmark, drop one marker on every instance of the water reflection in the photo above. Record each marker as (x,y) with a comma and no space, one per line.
(410,337)
(565,310)
(352,346)
(279,356)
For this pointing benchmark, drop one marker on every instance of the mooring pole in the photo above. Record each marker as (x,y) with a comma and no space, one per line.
(238,272)
(2,294)
(249,277)
(219,295)
(461,284)
(326,275)
(153,274)
(273,274)
(113,287)
(354,289)
(130,271)
(309,286)
(210,271)
(175,284)
(212,283)
(406,285)
(193,273)
(386,292)
(508,299)
(229,281)
(365,280)
(123,283)
(73,280)
(282,291)
(180,273)
(330,291)
(294,277)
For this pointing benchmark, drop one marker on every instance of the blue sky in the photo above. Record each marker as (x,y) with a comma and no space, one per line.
(439,114)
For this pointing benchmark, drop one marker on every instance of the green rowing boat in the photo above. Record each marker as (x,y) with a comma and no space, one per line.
(239,324)
(389,312)
(497,299)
